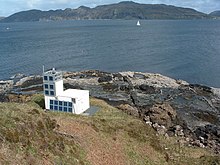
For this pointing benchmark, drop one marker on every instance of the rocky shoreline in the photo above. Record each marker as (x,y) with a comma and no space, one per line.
(172,107)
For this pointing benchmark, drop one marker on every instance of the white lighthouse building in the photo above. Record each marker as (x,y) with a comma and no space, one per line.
(56,99)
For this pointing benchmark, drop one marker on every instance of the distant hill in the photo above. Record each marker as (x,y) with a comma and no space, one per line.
(2,18)
(215,13)
(122,10)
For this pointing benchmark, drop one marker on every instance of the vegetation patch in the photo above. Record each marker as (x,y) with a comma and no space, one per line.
(28,135)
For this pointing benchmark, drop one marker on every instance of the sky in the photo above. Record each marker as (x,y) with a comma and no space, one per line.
(8,7)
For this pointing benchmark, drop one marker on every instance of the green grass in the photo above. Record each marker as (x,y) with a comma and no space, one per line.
(27,131)
(28,136)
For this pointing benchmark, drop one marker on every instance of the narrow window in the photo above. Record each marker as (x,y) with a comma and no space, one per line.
(60,102)
(51,86)
(52,93)
(46,92)
(51,106)
(56,102)
(70,104)
(60,108)
(56,108)
(65,103)
(70,110)
(51,101)
(45,78)
(50,78)
(65,109)
(46,86)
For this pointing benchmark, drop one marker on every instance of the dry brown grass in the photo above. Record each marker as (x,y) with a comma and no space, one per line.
(110,137)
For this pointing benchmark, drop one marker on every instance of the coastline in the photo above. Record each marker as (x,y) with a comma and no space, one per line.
(172,107)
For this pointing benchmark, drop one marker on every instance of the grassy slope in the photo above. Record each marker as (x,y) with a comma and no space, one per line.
(30,136)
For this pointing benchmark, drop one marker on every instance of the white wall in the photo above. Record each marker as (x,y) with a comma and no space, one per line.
(81,102)
(47,101)
(59,87)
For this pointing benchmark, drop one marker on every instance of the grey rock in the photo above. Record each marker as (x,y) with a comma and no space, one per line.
(184,109)
(129,109)
(178,130)
(6,86)
(161,130)
(162,114)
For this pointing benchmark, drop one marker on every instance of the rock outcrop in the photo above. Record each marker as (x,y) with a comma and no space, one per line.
(6,86)
(172,107)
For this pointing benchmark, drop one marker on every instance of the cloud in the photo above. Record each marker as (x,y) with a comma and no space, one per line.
(8,7)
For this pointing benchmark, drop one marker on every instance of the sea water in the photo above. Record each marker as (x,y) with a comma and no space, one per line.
(181,49)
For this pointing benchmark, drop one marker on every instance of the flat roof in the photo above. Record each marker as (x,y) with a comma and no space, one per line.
(53,71)
(73,93)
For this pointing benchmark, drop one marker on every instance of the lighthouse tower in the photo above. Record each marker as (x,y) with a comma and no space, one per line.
(53,83)
(56,99)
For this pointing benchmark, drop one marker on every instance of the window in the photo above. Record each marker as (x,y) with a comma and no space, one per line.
(51,101)
(52,93)
(51,86)
(56,102)
(65,103)
(51,106)
(46,92)
(60,102)
(46,86)
(70,110)
(70,104)
(65,109)
(60,108)
(73,100)
(50,78)
(45,78)
(56,108)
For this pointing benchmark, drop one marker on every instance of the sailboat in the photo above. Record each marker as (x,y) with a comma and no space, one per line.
(138,23)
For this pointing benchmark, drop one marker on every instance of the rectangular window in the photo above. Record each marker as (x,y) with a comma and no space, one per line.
(70,104)
(50,78)
(56,102)
(52,93)
(51,106)
(60,103)
(65,103)
(60,108)
(46,86)
(55,108)
(65,109)
(46,92)
(73,100)
(51,86)
(45,78)
(51,101)
(70,110)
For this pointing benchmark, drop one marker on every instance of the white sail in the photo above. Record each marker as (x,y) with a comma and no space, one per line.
(138,23)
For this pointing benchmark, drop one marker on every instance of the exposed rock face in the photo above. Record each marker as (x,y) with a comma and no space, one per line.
(169,105)
(166,104)
(129,109)
(6,86)
(162,114)
(209,135)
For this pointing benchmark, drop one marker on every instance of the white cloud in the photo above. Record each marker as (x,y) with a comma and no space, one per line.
(32,3)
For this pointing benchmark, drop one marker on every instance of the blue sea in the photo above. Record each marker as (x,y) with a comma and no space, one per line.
(181,49)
